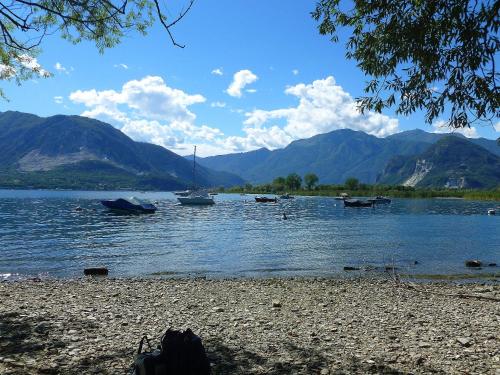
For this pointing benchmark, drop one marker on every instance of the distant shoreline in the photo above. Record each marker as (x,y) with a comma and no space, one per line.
(490,195)
(485,195)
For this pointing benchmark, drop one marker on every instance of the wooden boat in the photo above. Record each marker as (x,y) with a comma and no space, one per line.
(357,203)
(266,199)
(131,205)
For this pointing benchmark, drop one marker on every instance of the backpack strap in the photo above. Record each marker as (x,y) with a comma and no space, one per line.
(139,351)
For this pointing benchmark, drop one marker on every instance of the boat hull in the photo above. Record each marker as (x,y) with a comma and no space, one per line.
(123,205)
(357,203)
(265,200)
(196,201)
(380,200)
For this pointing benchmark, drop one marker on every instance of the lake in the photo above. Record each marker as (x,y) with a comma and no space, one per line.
(41,234)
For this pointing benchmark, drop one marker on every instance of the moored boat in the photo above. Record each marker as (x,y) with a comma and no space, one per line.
(343,196)
(380,200)
(357,203)
(266,199)
(287,196)
(132,205)
(184,193)
(197,197)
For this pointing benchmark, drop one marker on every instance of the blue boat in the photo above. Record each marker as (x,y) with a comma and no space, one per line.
(132,205)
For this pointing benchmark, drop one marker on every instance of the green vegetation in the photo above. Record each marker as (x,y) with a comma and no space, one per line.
(427,54)
(25,24)
(356,189)
(310,179)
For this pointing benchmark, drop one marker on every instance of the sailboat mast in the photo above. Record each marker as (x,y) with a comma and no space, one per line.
(194,169)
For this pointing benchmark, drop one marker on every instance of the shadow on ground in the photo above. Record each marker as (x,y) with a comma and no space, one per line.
(228,360)
(24,339)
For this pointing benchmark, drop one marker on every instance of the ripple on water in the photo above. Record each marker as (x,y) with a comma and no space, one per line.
(42,233)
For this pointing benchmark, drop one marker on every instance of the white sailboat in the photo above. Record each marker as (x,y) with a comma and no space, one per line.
(197,197)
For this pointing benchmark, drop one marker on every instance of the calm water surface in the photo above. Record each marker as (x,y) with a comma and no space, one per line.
(41,234)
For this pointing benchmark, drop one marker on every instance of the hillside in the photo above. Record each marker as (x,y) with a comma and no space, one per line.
(451,162)
(73,151)
(333,156)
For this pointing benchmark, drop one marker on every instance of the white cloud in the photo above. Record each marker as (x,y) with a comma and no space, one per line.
(121,65)
(497,126)
(60,68)
(149,110)
(240,80)
(441,127)
(217,104)
(58,99)
(251,91)
(217,72)
(31,63)
(323,106)
(295,72)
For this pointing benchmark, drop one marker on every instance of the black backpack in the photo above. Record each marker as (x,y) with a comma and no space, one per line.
(180,353)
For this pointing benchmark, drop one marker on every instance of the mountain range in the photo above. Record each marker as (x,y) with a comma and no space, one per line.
(82,153)
(78,152)
(345,153)
(451,162)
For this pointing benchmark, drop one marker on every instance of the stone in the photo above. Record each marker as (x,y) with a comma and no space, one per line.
(465,341)
(349,268)
(276,303)
(95,271)
(473,263)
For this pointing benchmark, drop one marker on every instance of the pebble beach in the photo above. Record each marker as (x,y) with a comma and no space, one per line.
(253,326)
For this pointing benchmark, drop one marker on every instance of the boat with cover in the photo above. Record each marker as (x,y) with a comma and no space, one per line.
(357,203)
(196,197)
(184,193)
(133,205)
(380,200)
(266,199)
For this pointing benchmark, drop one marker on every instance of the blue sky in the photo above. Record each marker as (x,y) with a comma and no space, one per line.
(253,74)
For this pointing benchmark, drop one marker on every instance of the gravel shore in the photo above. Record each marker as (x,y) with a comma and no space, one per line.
(263,326)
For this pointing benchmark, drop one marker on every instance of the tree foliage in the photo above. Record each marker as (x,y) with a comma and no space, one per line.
(435,55)
(310,180)
(25,24)
(351,183)
(279,184)
(293,181)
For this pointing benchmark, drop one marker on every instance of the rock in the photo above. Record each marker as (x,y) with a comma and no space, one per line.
(324,371)
(465,341)
(349,268)
(218,309)
(276,303)
(472,263)
(96,271)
